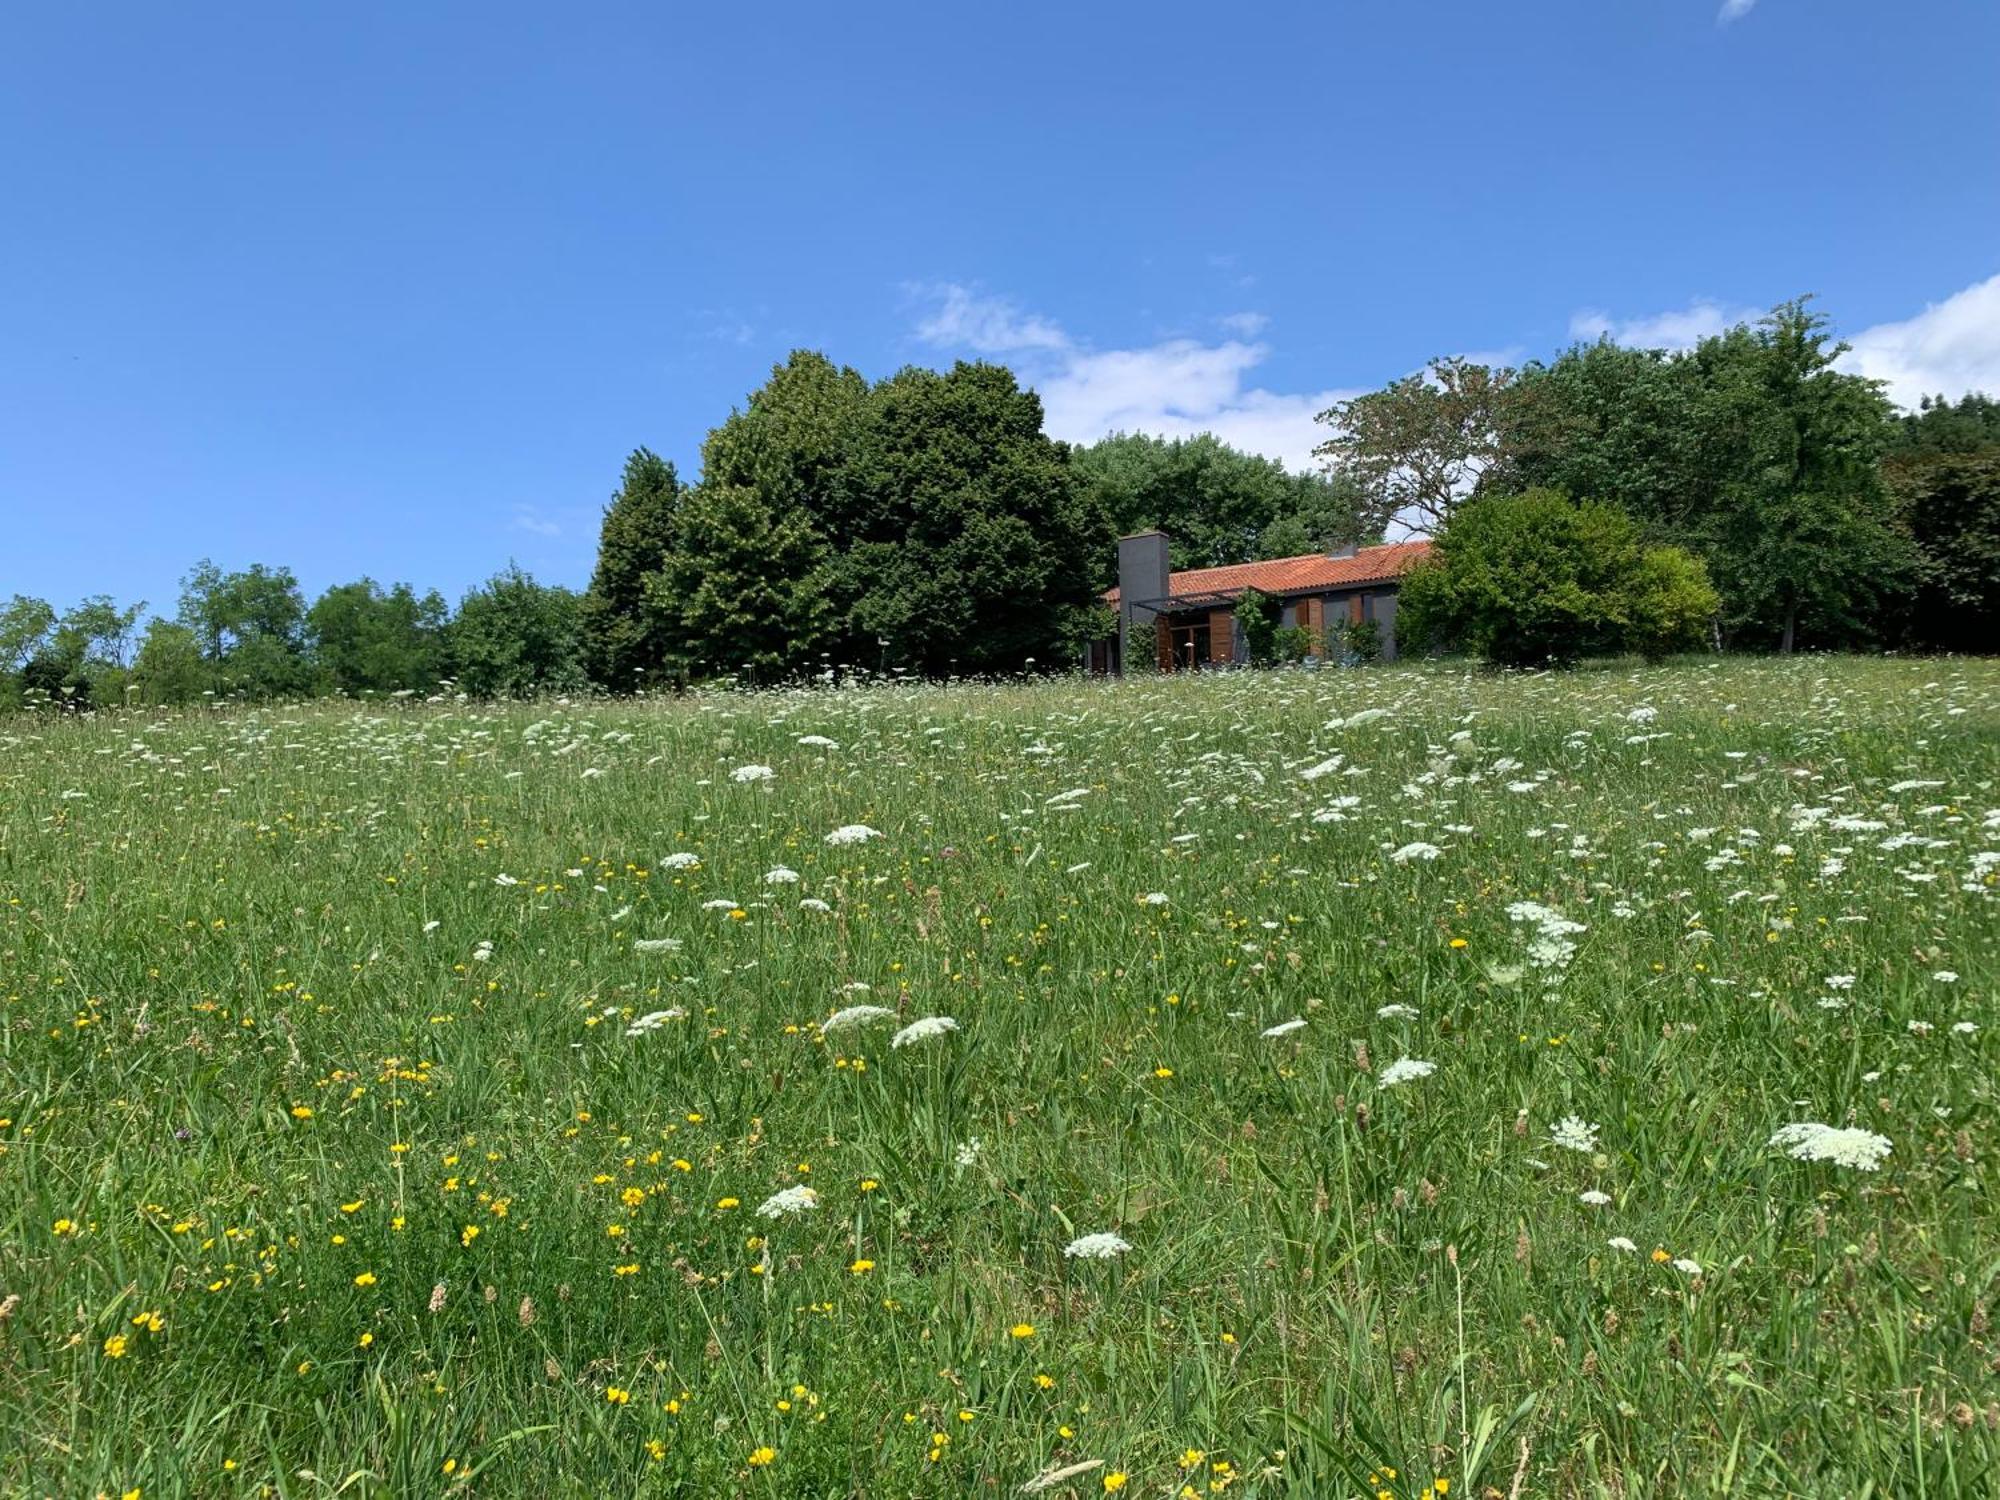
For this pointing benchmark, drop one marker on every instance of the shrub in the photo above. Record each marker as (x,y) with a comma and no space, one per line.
(1536,578)
(1258,613)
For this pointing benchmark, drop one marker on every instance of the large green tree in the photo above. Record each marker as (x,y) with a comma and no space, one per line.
(250,626)
(367,639)
(1752,449)
(1420,447)
(966,544)
(1217,505)
(625,643)
(1944,477)
(513,637)
(745,591)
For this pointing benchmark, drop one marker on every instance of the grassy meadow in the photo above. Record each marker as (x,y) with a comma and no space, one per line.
(1362,1083)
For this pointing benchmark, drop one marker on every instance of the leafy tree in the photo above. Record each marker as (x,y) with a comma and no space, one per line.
(745,591)
(792,439)
(1537,578)
(514,637)
(1950,505)
(366,640)
(1420,447)
(624,643)
(1752,450)
(966,544)
(169,668)
(1216,504)
(1968,425)
(25,626)
(251,628)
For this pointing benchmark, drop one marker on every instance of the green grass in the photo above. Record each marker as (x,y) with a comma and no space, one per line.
(246,1086)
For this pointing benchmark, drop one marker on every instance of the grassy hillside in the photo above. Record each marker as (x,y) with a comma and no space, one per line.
(448,1100)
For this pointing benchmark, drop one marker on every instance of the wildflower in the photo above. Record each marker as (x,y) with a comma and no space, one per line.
(1284,1028)
(780,875)
(114,1347)
(680,861)
(819,742)
(617,1395)
(788,1201)
(437,1298)
(1022,1331)
(1619,1242)
(855,1015)
(861,1267)
(1594,1198)
(1163,1072)
(967,1154)
(63,1227)
(1154,898)
(1689,1267)
(1114,1481)
(1403,1070)
(922,1030)
(656,945)
(1863,1150)
(302,1112)
(744,775)
(761,1457)
(852,833)
(1396,1011)
(1100,1246)
(1572,1133)
(366,1278)
(1418,850)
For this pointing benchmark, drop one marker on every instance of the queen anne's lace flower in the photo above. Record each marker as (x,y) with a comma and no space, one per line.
(1284,1028)
(788,1201)
(747,774)
(1573,1133)
(1403,1070)
(1809,1140)
(922,1030)
(1103,1246)
(855,1015)
(852,833)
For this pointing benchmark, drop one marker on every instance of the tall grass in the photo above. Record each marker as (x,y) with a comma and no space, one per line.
(304,1191)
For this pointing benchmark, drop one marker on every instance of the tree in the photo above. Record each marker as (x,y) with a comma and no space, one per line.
(250,626)
(1538,578)
(170,668)
(514,637)
(624,643)
(1419,448)
(966,545)
(1950,506)
(792,439)
(25,624)
(365,640)
(1969,425)
(1752,450)
(745,590)
(1216,504)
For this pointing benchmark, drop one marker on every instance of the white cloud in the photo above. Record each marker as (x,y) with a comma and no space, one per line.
(1682,329)
(1175,388)
(1948,349)
(1245,325)
(527,518)
(1734,10)
(968,319)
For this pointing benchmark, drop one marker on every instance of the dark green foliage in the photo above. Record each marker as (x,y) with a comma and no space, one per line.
(170,669)
(1216,504)
(1257,614)
(1969,425)
(745,590)
(625,646)
(250,627)
(1537,578)
(514,637)
(1751,450)
(965,546)
(365,640)
(1950,506)
(1362,640)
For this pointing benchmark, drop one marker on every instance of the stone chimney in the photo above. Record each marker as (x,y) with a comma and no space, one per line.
(1142,577)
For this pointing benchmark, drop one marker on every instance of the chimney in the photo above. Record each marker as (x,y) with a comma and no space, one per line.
(1142,576)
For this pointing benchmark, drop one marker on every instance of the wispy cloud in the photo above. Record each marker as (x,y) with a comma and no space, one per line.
(1734,10)
(1174,388)
(1679,329)
(1950,348)
(527,518)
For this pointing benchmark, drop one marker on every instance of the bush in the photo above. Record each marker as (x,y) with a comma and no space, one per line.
(1538,578)
(1361,640)
(1258,614)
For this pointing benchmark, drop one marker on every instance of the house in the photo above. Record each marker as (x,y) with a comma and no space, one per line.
(1187,620)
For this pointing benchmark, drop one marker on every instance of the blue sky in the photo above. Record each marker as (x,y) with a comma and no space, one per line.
(392,290)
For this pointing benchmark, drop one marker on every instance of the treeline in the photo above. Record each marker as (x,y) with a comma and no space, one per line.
(1746,494)
(1816,513)
(251,634)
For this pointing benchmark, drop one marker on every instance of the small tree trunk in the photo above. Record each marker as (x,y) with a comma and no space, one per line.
(1791,629)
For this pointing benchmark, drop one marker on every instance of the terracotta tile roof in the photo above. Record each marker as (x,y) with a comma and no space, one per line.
(1296,575)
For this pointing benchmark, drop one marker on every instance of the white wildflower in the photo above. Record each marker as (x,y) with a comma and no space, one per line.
(748,774)
(1418,850)
(923,1029)
(1395,1010)
(788,1201)
(1403,1070)
(1689,1267)
(780,875)
(1619,1242)
(1593,1197)
(656,945)
(680,861)
(819,742)
(1808,1140)
(855,1015)
(1573,1133)
(852,833)
(1103,1246)
(1284,1028)
(1154,898)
